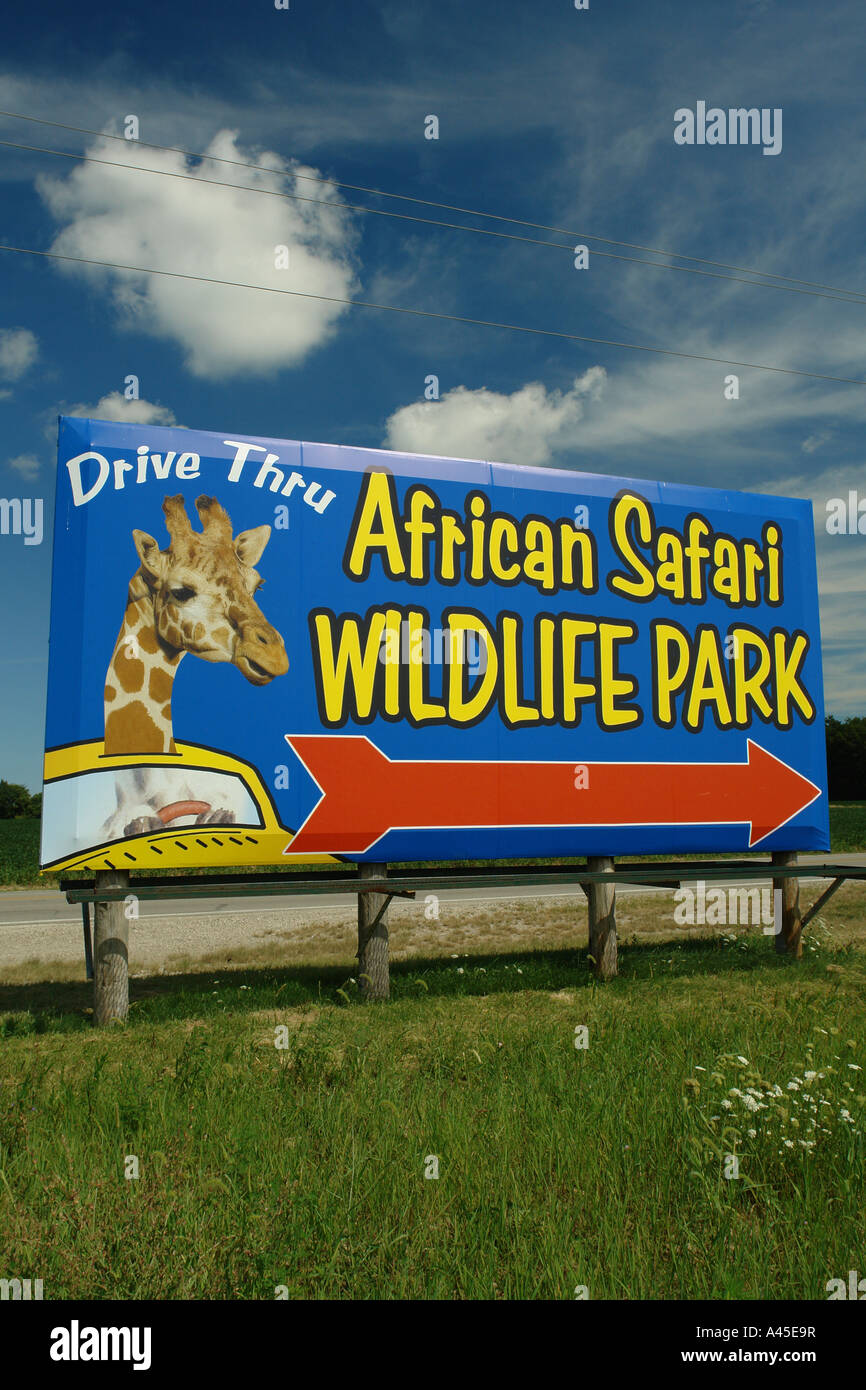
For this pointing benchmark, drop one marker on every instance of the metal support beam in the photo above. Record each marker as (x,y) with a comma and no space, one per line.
(437,877)
(88,940)
(819,902)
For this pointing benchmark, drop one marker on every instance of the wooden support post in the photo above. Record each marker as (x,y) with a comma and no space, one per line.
(88,940)
(373,975)
(790,939)
(110,953)
(602,919)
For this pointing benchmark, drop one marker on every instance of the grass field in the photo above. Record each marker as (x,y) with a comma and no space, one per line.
(19,846)
(303,1167)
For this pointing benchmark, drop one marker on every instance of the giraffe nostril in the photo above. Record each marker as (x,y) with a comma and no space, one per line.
(262,638)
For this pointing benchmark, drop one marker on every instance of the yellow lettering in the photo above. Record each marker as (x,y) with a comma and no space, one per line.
(708,682)
(752,565)
(538,565)
(774,565)
(610,685)
(419,707)
(670,575)
(749,687)
(669,681)
(417,529)
(452,538)
(574,689)
(569,538)
(787,682)
(466,711)
(377,506)
(544,670)
(364,666)
(512,666)
(500,529)
(697,553)
(626,507)
(726,572)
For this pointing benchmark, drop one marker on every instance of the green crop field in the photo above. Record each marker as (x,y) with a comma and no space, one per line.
(19,852)
(309,1170)
(848,826)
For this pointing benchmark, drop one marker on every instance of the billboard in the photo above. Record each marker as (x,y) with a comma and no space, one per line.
(264,649)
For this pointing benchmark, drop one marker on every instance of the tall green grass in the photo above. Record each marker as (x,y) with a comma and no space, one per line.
(304,1167)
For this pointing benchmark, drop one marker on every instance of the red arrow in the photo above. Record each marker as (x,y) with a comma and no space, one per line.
(365,794)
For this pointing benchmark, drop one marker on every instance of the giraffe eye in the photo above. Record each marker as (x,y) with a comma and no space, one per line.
(182,594)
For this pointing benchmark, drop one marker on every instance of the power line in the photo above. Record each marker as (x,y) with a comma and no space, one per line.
(429,314)
(445,207)
(428,221)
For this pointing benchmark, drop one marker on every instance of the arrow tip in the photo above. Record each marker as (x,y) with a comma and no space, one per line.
(778,793)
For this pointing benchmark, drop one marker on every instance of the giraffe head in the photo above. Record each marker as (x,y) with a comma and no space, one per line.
(202,589)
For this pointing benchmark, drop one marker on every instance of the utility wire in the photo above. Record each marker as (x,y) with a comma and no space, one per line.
(429,314)
(428,221)
(445,207)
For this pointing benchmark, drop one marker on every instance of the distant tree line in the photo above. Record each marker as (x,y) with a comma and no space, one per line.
(16,801)
(846,758)
(846,770)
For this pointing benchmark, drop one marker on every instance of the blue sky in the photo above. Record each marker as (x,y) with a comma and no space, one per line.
(547,114)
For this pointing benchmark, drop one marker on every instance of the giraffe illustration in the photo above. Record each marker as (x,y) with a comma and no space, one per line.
(196,596)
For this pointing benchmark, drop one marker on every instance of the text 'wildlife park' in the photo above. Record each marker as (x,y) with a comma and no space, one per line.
(556,665)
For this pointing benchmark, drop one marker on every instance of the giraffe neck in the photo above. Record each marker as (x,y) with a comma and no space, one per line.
(139,681)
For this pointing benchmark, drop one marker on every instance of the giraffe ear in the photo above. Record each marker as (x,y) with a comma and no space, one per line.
(250,545)
(148,553)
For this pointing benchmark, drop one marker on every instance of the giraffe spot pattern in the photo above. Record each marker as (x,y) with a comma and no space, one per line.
(159,685)
(110,693)
(130,729)
(129,672)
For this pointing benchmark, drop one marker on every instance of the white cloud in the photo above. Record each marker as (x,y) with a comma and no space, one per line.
(25,464)
(190,226)
(815,442)
(18,351)
(526,427)
(116,407)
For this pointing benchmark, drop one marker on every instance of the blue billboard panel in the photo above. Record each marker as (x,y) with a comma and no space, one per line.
(264,649)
